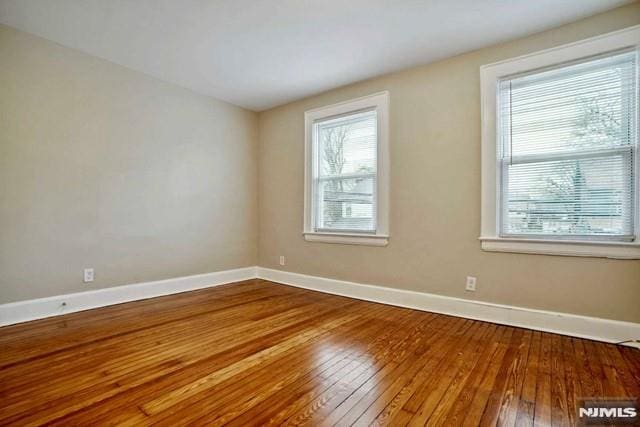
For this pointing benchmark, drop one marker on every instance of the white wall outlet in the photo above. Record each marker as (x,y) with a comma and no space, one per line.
(471,284)
(281,259)
(88,275)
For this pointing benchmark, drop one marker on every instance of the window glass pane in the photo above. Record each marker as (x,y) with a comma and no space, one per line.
(346,204)
(568,142)
(570,197)
(347,145)
(346,172)
(584,106)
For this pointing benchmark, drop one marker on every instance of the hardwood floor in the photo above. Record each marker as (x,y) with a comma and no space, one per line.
(259,353)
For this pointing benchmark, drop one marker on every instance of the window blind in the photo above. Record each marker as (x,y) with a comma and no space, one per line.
(345,180)
(567,147)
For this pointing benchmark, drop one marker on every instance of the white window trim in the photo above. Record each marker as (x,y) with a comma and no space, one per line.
(379,102)
(489,77)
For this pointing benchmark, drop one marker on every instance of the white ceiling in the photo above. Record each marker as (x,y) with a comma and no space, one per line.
(263,53)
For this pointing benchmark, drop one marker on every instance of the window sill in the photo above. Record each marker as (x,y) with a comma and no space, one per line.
(347,238)
(604,249)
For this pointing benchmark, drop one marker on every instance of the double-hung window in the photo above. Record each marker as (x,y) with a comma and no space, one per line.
(566,151)
(346,198)
(563,137)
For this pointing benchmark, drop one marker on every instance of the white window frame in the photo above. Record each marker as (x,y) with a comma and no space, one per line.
(380,103)
(490,209)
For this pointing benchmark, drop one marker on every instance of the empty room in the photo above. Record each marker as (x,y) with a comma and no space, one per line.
(319,212)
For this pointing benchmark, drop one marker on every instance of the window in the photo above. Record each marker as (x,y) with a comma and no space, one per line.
(561,129)
(566,150)
(346,191)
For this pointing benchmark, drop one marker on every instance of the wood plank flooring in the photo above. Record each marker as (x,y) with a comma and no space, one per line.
(259,353)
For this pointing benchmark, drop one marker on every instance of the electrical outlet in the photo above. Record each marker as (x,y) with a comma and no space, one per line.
(281,259)
(471,284)
(88,275)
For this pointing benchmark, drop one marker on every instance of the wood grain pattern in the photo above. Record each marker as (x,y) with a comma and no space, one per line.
(260,353)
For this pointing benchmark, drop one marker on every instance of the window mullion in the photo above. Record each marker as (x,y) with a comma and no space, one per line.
(575,155)
(347,176)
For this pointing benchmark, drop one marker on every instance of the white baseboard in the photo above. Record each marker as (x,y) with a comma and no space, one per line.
(613,331)
(24,311)
(594,328)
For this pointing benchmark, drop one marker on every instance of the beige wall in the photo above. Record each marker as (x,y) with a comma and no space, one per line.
(104,167)
(435,195)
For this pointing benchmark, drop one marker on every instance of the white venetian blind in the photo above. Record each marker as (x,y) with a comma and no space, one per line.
(345,177)
(567,147)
